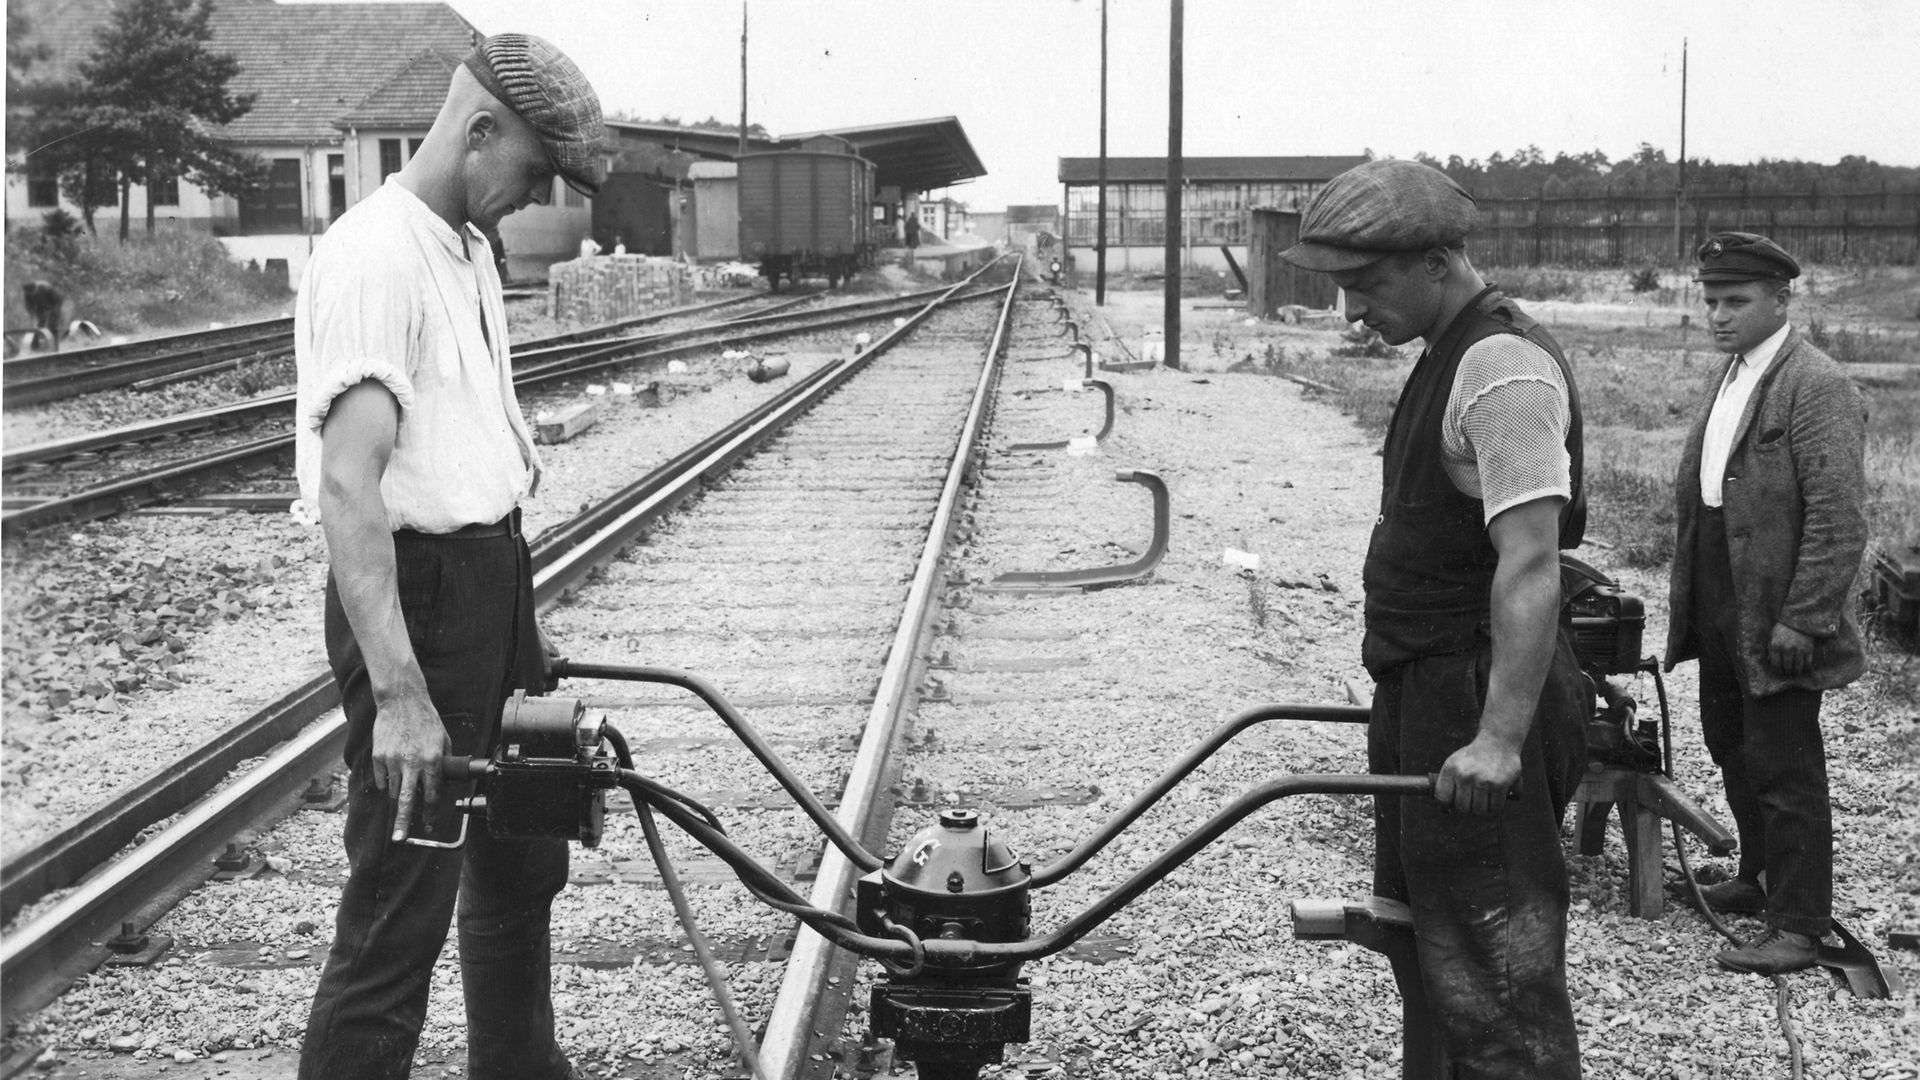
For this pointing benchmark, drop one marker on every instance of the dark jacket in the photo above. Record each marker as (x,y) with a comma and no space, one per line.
(1795,497)
(1430,564)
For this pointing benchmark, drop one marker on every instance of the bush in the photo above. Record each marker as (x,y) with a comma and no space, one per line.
(1850,346)
(1644,280)
(166,279)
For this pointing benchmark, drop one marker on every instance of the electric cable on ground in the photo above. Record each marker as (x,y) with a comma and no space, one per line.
(1782,996)
(716,978)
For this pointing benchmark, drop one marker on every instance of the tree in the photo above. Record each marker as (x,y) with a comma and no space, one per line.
(144,110)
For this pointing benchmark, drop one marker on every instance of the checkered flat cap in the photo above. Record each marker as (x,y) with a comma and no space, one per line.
(1376,209)
(545,89)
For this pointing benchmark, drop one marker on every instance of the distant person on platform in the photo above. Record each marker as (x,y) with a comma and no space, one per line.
(588,247)
(411,447)
(1770,500)
(913,232)
(1474,680)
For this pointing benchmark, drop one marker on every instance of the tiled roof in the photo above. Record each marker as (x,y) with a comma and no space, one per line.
(307,65)
(1123,170)
(410,99)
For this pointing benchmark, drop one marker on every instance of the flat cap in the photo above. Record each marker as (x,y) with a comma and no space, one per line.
(545,89)
(1744,256)
(1375,209)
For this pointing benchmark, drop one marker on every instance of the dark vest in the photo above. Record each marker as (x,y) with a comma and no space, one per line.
(1429,569)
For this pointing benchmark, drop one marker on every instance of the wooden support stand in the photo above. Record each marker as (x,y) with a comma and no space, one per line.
(1643,799)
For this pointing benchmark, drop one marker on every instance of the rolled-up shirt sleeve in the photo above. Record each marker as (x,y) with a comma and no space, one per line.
(1505,436)
(360,324)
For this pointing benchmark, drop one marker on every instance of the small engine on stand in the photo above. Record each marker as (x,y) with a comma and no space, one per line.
(1606,625)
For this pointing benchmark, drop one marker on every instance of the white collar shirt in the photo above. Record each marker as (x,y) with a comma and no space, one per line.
(394,294)
(1723,422)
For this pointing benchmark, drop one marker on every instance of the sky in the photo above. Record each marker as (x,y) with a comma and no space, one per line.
(1808,79)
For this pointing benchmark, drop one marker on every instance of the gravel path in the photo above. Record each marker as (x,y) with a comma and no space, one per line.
(1201,977)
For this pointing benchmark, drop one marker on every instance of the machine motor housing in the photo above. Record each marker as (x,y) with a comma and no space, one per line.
(550,774)
(1604,622)
(953,882)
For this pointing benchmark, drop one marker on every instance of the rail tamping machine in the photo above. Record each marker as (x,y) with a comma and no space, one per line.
(948,917)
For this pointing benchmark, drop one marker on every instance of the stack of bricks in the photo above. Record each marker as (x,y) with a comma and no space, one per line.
(602,288)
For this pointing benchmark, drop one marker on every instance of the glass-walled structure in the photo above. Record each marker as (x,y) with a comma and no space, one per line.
(1216,207)
(1213,212)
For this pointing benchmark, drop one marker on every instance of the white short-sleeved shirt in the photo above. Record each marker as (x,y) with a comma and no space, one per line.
(1504,439)
(393,293)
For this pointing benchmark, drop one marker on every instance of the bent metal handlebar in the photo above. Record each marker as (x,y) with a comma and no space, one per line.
(946,953)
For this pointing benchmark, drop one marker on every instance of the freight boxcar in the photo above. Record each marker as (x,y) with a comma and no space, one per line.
(807,212)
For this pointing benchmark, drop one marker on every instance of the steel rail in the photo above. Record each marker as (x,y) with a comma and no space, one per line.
(59,944)
(784,1049)
(18,457)
(36,364)
(56,376)
(73,381)
(151,485)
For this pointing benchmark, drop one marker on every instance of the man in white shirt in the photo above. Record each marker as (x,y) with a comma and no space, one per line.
(411,449)
(1769,504)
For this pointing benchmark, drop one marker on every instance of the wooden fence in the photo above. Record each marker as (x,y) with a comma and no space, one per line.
(1875,227)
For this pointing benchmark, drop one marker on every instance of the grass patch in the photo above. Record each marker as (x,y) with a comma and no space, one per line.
(1639,391)
(168,279)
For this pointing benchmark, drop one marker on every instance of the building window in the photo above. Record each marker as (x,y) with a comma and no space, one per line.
(413,147)
(164,190)
(389,158)
(274,207)
(43,184)
(570,197)
(336,185)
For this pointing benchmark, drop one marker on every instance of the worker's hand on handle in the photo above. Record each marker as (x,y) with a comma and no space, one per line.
(409,742)
(1478,777)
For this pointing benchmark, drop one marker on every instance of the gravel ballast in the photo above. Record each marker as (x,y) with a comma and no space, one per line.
(1092,693)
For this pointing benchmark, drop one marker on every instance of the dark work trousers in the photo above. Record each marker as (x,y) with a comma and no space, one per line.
(1488,892)
(469,611)
(1769,751)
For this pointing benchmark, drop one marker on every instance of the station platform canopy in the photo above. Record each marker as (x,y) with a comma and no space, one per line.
(916,155)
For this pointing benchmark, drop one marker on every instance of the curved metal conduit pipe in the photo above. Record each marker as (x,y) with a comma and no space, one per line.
(784,1049)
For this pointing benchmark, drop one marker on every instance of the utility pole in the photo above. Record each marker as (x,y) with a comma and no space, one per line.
(1175,178)
(1100,205)
(743,76)
(1680,189)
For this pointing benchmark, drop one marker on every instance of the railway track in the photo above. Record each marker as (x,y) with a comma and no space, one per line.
(884,679)
(44,377)
(76,478)
(34,956)
(160,361)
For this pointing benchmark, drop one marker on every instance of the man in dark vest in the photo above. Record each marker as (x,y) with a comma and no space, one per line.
(1474,680)
(1771,514)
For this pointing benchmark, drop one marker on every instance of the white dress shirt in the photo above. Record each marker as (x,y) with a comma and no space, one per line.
(1724,421)
(394,294)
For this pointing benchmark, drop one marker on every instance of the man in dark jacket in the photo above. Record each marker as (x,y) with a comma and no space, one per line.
(1770,497)
(1474,681)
